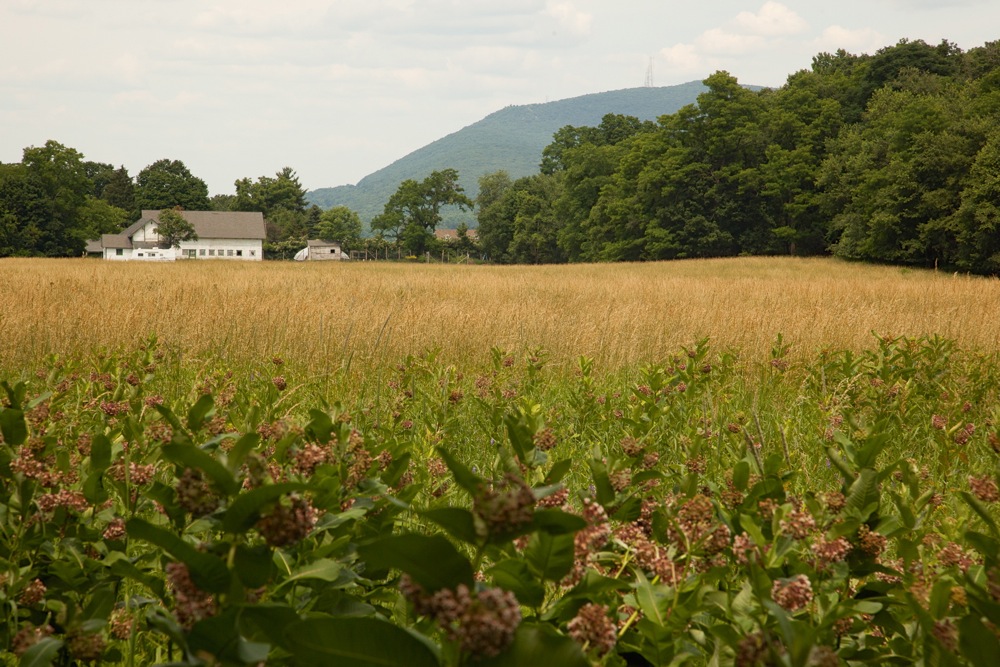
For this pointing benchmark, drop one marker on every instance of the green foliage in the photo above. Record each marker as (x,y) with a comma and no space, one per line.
(172,228)
(168,183)
(340,224)
(837,508)
(413,213)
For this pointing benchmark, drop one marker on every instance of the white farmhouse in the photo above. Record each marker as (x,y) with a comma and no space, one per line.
(221,235)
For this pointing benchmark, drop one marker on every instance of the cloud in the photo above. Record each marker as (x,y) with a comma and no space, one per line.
(683,59)
(773,19)
(721,42)
(861,40)
(570,18)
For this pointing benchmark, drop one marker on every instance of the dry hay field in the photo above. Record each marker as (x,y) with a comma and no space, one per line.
(363,315)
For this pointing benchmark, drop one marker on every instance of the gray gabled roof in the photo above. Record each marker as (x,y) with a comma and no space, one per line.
(115,241)
(215,224)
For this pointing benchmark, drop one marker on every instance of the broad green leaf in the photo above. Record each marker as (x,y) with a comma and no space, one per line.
(208,572)
(539,644)
(13,426)
(458,521)
(322,569)
(41,654)
(320,426)
(979,645)
(100,453)
(464,477)
(980,509)
(863,496)
(604,491)
(200,412)
(654,600)
(253,565)
(557,522)
(190,456)
(741,475)
(238,454)
(558,471)
(355,642)
(431,560)
(513,575)
(550,556)
(267,621)
(244,511)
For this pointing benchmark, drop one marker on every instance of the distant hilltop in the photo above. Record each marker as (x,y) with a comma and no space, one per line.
(511,139)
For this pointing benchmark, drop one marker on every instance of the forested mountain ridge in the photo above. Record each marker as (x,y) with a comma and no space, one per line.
(511,139)
(892,157)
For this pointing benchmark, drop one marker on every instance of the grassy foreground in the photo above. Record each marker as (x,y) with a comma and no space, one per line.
(376,465)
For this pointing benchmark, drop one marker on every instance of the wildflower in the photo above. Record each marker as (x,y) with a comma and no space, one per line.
(545,439)
(29,636)
(286,525)
(70,500)
(279,382)
(952,555)
(830,552)
(792,594)
(507,507)
(946,632)
(192,603)
(33,593)
(984,488)
(115,529)
(483,624)
(962,436)
(114,408)
(592,628)
(85,647)
(823,656)
(798,524)
(194,494)
(871,543)
(939,422)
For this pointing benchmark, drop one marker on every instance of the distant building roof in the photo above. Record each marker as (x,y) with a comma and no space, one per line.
(214,224)
(115,241)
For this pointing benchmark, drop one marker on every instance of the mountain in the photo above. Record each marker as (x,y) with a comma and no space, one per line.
(511,139)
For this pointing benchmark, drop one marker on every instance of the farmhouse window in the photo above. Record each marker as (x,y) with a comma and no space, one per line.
(239,253)
(229,253)
(211,252)
(140,254)
(253,253)
(119,252)
(201,251)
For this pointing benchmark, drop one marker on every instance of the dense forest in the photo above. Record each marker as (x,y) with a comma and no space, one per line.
(54,201)
(892,157)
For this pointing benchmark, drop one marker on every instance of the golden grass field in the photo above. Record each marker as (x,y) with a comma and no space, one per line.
(322,314)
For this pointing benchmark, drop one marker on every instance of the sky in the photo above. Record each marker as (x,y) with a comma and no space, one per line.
(337,89)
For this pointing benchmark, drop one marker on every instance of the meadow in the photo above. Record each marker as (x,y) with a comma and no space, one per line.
(743,461)
(370,314)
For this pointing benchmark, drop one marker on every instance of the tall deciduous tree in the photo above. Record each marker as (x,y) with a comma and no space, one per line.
(340,224)
(60,176)
(172,228)
(413,212)
(168,183)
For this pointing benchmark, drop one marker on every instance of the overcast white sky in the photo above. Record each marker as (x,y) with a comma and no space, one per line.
(337,89)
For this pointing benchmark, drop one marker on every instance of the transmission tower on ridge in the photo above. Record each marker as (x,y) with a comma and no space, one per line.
(649,74)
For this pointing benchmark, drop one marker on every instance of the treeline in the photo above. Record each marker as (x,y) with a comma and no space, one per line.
(54,201)
(893,157)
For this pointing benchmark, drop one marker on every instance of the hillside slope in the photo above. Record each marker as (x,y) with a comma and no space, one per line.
(511,139)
